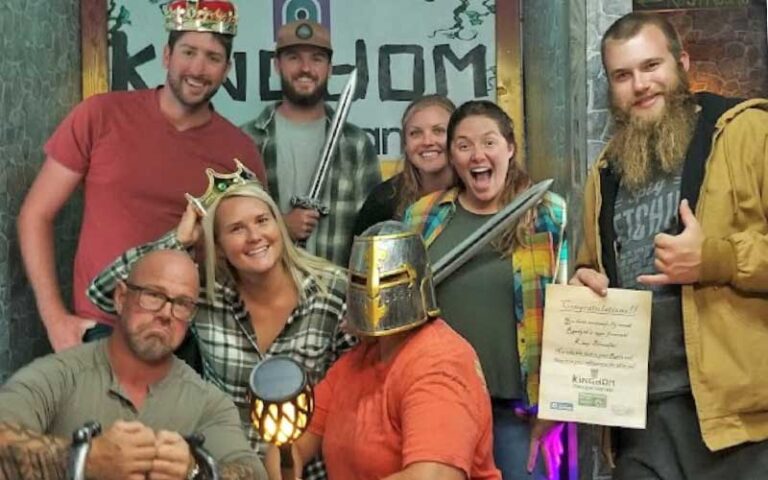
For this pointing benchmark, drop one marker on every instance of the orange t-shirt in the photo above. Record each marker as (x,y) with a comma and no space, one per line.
(427,404)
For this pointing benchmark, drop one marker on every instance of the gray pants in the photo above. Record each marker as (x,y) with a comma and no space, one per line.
(671,448)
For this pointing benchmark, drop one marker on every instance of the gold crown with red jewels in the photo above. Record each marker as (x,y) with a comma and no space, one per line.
(219,183)
(214,16)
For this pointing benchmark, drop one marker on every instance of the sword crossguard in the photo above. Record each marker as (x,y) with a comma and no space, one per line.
(310,204)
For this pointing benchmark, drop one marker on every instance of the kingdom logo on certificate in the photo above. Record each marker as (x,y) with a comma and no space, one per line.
(594,359)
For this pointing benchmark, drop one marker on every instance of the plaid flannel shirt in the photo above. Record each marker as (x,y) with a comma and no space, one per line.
(227,341)
(353,173)
(539,262)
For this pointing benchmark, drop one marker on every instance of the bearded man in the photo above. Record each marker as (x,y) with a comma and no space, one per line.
(291,134)
(678,204)
(133,385)
(135,154)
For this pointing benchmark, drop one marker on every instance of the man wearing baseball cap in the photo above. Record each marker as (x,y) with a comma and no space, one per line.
(291,133)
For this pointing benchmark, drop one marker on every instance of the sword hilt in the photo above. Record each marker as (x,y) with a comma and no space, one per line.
(204,459)
(310,204)
(81,445)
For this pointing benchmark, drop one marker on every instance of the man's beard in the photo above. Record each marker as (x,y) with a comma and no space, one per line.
(305,100)
(178,92)
(150,349)
(642,149)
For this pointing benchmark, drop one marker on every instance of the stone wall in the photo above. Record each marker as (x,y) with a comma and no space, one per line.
(600,15)
(39,84)
(728,49)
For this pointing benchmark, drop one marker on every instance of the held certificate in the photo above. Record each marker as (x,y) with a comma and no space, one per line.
(594,359)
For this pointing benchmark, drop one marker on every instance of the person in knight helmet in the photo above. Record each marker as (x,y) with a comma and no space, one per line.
(410,398)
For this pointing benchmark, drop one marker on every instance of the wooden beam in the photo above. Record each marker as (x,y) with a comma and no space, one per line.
(509,68)
(93,46)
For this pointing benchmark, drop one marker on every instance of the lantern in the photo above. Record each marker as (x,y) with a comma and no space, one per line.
(281,400)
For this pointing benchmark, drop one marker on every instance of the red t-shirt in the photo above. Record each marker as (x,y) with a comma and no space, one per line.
(137,167)
(427,404)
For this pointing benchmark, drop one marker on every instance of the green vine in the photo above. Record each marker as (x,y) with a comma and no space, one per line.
(466,18)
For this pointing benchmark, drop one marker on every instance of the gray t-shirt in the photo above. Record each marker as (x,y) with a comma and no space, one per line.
(58,393)
(478,302)
(298,154)
(638,217)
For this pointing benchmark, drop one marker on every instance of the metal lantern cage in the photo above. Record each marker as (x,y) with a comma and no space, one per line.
(281,400)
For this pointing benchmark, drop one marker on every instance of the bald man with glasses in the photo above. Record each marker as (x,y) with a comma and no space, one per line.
(145,398)
(182,308)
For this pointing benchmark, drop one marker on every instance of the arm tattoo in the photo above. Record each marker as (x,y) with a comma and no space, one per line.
(31,455)
(241,471)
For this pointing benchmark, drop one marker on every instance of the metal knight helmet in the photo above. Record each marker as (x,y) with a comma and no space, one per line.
(390,281)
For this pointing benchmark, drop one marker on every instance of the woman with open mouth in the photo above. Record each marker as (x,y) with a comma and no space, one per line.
(495,300)
(261,296)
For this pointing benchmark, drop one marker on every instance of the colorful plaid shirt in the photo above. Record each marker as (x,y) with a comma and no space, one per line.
(543,258)
(353,173)
(311,336)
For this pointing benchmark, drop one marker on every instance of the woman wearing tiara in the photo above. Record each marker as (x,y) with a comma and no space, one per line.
(262,295)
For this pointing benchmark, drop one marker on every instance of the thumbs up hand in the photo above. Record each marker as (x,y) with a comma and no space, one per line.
(678,257)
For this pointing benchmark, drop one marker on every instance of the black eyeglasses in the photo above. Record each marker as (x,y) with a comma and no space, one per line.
(182,308)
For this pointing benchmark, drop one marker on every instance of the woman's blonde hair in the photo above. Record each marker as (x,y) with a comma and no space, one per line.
(409,188)
(297,262)
(517,180)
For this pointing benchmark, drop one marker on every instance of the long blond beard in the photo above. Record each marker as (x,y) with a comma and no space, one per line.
(642,149)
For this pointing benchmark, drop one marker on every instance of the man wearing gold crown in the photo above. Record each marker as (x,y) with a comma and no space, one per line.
(136,154)
(291,134)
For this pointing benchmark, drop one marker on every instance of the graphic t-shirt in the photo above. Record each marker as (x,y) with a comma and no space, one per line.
(638,217)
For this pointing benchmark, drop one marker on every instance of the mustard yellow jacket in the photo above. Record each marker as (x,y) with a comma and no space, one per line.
(725,314)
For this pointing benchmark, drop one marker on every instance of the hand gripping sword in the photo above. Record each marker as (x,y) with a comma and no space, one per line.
(311,200)
(81,444)
(461,253)
(205,463)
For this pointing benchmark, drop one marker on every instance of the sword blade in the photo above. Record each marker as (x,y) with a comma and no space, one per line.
(334,132)
(461,253)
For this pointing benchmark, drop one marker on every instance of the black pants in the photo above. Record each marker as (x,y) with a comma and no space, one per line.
(671,448)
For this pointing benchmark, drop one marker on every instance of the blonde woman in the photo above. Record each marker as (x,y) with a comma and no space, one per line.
(263,296)
(425,163)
